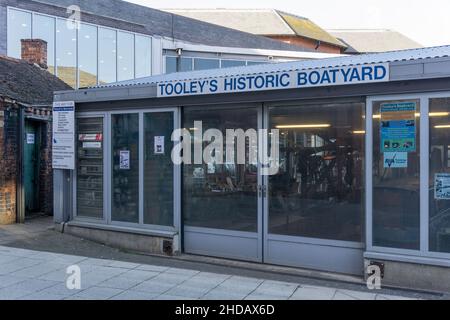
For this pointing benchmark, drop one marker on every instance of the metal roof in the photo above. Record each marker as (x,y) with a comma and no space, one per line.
(386,57)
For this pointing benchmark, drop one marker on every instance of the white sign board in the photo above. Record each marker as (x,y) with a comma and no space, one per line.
(124,161)
(64,135)
(395,160)
(31,138)
(332,76)
(159,144)
(442,186)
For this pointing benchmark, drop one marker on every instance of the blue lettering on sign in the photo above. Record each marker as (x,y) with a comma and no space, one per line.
(292,79)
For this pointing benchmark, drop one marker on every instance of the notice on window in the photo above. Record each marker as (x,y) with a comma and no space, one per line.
(442,186)
(92,145)
(124,163)
(395,160)
(31,138)
(398,127)
(159,145)
(64,135)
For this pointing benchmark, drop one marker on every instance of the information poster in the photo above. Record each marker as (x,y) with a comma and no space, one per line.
(64,135)
(31,138)
(442,186)
(124,160)
(398,127)
(396,160)
(159,144)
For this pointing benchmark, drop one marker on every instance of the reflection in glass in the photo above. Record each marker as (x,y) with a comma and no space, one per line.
(440,175)
(107,63)
(125,167)
(66,52)
(232,63)
(90,167)
(254,63)
(19,27)
(396,193)
(206,64)
(221,196)
(143,56)
(186,64)
(44,29)
(318,191)
(171,65)
(87,55)
(125,56)
(158,169)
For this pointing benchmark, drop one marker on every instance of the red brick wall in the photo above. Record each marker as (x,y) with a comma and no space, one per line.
(8,150)
(45,169)
(35,51)
(308,43)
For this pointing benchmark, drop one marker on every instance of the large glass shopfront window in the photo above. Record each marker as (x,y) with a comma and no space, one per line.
(125,167)
(318,191)
(396,174)
(439,195)
(221,196)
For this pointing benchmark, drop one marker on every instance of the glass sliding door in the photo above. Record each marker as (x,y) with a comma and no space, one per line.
(158,169)
(125,167)
(220,196)
(396,174)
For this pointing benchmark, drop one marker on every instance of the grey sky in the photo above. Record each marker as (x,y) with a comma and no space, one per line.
(427,22)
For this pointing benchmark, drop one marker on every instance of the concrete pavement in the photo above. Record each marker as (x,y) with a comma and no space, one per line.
(36,275)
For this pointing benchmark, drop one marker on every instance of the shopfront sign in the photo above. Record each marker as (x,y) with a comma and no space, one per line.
(64,135)
(398,127)
(370,73)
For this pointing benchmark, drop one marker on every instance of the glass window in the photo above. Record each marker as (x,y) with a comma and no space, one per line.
(318,190)
(87,55)
(158,169)
(19,27)
(440,175)
(186,64)
(254,63)
(66,52)
(90,167)
(107,62)
(125,167)
(143,56)
(396,168)
(221,196)
(171,65)
(125,56)
(205,64)
(232,63)
(44,29)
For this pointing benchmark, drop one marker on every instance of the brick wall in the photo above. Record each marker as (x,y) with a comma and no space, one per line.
(308,43)
(8,150)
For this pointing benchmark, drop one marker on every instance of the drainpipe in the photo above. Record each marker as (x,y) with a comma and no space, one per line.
(20,190)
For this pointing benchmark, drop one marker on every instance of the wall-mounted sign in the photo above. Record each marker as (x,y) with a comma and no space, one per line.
(64,135)
(159,144)
(442,186)
(335,76)
(398,127)
(124,161)
(92,145)
(396,160)
(31,138)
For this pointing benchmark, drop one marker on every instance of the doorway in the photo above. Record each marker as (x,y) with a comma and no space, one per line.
(31,164)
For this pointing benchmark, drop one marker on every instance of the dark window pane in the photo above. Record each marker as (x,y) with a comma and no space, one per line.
(221,196)
(19,27)
(232,63)
(440,175)
(143,56)
(90,167)
(396,185)
(318,191)
(44,29)
(171,65)
(87,55)
(107,64)
(158,169)
(125,167)
(206,64)
(186,64)
(66,51)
